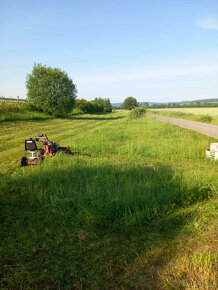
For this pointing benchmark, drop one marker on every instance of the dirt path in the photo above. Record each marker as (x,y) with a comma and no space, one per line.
(206,129)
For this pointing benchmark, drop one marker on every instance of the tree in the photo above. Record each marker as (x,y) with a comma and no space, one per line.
(130,103)
(51,89)
(145,105)
(107,105)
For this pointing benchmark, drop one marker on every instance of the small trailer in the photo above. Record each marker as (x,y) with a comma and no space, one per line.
(212,152)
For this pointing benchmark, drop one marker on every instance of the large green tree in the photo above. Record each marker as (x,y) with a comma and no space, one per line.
(51,89)
(130,103)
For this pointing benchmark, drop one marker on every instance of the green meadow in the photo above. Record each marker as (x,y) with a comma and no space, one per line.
(133,207)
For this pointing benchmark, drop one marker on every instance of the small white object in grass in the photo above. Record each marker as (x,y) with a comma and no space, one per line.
(212,152)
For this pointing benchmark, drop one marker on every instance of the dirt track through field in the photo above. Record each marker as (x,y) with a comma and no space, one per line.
(206,129)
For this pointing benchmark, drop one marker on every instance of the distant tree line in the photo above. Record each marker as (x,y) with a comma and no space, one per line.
(131,103)
(185,105)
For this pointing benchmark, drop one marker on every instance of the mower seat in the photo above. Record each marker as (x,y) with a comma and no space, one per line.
(30,145)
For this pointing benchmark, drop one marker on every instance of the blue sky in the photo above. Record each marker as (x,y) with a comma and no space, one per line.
(159,50)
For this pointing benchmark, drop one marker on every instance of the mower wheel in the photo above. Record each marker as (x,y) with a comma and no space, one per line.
(24,161)
(41,152)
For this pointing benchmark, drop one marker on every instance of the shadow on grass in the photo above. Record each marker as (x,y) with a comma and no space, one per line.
(90,117)
(92,227)
(101,117)
(18,119)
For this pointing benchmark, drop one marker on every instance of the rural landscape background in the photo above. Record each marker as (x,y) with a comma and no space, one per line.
(134,205)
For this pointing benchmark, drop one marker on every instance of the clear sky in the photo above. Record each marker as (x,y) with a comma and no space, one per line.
(154,50)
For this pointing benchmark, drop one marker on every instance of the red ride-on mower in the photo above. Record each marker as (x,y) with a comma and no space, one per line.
(38,153)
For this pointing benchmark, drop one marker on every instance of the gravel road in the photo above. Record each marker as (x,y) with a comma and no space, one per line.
(206,129)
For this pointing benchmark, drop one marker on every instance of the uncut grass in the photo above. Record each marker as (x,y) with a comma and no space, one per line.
(19,111)
(196,111)
(63,221)
(188,114)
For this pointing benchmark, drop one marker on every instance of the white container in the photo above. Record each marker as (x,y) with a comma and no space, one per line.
(212,152)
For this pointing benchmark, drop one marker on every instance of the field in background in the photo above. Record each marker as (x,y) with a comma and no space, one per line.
(195,111)
(204,115)
(135,205)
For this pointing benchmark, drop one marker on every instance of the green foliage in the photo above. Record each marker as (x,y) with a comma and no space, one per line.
(83,106)
(21,111)
(145,105)
(137,113)
(96,106)
(107,106)
(130,103)
(51,89)
(205,119)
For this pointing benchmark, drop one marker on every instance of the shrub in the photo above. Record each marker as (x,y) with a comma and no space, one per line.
(83,106)
(137,113)
(97,106)
(205,118)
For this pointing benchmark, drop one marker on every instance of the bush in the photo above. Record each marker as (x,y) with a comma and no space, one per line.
(205,118)
(137,113)
(83,106)
(97,106)
(51,89)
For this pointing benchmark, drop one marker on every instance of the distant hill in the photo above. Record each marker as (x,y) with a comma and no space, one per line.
(182,102)
(116,104)
(201,101)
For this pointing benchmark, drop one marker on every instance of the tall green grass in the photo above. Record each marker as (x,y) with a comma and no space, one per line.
(206,118)
(19,111)
(128,173)
(98,194)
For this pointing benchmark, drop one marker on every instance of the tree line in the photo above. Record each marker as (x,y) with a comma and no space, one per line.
(52,91)
(185,105)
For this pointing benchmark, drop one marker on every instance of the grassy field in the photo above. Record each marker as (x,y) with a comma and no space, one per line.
(134,206)
(204,115)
